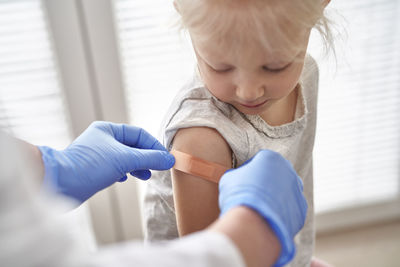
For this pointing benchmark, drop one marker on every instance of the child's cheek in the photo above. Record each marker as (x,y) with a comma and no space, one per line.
(282,85)
(218,86)
(219,92)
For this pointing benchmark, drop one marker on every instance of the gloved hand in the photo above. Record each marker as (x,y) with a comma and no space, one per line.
(103,154)
(269,185)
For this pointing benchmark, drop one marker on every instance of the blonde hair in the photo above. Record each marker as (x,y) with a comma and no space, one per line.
(244,20)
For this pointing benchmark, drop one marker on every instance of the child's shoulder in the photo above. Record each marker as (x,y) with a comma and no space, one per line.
(194,101)
(309,79)
(195,107)
(198,109)
(205,143)
(198,123)
(310,70)
(193,90)
(311,62)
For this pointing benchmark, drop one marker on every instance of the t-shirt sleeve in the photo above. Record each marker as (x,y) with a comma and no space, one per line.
(207,112)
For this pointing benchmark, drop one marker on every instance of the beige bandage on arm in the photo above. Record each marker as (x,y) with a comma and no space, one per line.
(198,167)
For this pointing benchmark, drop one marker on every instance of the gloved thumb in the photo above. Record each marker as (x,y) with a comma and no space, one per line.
(144,159)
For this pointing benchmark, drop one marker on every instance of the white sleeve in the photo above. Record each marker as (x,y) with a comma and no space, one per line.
(33,231)
(206,248)
(33,228)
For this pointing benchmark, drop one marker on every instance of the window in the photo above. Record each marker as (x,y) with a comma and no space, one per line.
(357,147)
(357,150)
(33,104)
(64,64)
(156,59)
(31,101)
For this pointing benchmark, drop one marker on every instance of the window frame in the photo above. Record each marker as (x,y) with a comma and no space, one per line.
(88,64)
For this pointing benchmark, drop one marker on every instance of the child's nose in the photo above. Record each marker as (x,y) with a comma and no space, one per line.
(249,90)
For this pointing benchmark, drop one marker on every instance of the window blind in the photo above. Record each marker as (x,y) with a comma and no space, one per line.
(357,150)
(31,101)
(156,59)
(356,155)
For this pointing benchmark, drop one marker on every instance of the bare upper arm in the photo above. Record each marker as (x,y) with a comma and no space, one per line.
(196,199)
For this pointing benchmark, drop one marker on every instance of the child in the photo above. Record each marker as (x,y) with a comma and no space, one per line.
(255,89)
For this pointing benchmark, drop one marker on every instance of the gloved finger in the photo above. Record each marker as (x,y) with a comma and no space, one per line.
(123,179)
(142,174)
(144,159)
(137,137)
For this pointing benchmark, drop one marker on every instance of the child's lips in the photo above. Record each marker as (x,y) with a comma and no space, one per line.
(254,106)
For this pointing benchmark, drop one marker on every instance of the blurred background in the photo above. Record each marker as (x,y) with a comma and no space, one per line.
(66,63)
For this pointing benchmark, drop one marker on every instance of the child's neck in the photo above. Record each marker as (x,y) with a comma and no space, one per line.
(283,111)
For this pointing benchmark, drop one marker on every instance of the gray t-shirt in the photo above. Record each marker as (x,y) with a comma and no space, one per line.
(195,106)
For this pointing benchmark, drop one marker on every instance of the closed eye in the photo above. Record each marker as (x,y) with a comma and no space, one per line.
(277,69)
(222,70)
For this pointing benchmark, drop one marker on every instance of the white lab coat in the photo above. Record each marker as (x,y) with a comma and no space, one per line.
(33,232)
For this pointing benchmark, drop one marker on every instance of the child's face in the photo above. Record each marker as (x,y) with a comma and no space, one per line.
(256,80)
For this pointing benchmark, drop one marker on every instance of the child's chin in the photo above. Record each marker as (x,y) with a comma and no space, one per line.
(250,111)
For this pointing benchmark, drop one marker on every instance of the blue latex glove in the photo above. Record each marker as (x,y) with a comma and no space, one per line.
(269,185)
(103,154)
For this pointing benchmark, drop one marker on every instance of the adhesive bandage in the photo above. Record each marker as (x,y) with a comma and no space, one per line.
(198,167)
